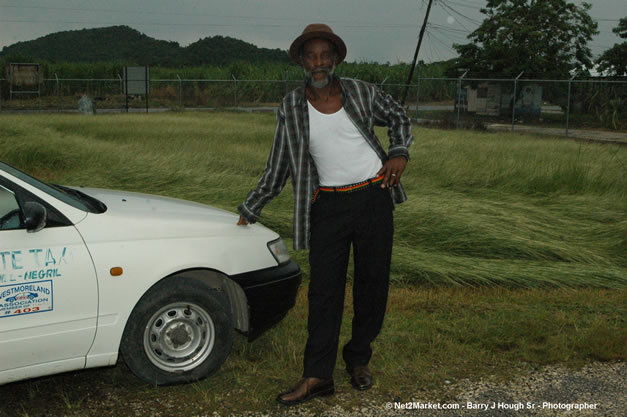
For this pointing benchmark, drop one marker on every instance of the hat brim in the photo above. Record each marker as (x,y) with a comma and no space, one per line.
(340,46)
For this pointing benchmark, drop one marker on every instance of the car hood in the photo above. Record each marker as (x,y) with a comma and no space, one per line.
(145,216)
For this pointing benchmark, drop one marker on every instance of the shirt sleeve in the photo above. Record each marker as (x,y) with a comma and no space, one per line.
(388,112)
(274,175)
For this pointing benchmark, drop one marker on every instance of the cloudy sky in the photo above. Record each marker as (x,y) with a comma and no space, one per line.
(374,30)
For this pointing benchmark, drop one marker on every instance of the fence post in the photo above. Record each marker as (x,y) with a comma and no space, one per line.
(57,82)
(568,102)
(235,94)
(459,96)
(1,94)
(514,98)
(417,93)
(147,84)
(180,93)
(121,85)
(286,81)
(382,82)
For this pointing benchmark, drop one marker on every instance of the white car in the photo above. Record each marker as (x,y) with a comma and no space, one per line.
(86,274)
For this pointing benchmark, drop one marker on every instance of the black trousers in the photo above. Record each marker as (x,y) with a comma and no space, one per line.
(364,220)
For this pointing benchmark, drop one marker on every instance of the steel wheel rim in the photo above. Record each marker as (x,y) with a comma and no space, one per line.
(179,337)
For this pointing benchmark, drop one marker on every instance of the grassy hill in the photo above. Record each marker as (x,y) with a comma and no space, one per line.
(126,45)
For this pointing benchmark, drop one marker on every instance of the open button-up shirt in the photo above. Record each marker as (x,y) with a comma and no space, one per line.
(366,106)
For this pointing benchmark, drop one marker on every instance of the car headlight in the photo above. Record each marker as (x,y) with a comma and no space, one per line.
(279,251)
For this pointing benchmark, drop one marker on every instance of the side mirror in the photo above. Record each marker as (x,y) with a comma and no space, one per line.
(35,216)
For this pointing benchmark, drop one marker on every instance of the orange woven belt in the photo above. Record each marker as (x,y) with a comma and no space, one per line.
(349,188)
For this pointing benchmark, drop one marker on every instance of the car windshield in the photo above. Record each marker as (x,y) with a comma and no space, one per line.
(74,198)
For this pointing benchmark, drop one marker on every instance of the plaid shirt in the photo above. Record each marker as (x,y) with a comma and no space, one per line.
(366,106)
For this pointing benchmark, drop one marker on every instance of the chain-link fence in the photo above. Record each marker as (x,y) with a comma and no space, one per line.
(506,104)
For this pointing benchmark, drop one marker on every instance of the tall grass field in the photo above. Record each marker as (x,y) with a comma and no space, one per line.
(483,209)
(510,253)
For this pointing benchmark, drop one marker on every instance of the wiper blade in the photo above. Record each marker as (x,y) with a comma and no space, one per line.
(69,190)
(86,198)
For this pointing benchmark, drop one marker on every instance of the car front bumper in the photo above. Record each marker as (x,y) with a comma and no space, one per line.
(271,293)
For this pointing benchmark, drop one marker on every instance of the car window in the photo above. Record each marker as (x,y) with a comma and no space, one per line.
(74,198)
(10,213)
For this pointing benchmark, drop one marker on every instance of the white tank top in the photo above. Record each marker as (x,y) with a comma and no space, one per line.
(341,154)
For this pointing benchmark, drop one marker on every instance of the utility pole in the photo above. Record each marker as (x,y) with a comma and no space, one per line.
(413,64)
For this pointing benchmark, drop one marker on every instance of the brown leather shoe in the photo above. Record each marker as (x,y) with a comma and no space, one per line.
(361,378)
(306,389)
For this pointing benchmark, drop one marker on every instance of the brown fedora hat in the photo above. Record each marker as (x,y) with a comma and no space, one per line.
(318,31)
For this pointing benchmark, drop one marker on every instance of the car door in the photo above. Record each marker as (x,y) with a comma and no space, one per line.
(48,289)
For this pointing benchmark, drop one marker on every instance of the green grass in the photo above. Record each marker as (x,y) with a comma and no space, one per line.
(483,209)
(509,255)
(431,335)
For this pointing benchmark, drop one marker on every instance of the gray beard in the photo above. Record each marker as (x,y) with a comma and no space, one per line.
(320,83)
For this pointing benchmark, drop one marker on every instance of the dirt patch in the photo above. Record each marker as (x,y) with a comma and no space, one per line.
(593,390)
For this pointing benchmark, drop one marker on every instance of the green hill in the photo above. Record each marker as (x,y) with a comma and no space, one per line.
(219,50)
(126,45)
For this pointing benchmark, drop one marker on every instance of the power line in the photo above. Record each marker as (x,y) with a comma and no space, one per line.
(476,6)
(598,19)
(137,23)
(473,21)
(448,29)
(442,5)
(346,23)
(452,40)
(146,12)
(466,5)
(433,50)
(413,64)
(444,44)
(101,23)
(430,46)
(441,42)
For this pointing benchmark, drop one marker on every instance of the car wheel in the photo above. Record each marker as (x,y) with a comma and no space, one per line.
(180,331)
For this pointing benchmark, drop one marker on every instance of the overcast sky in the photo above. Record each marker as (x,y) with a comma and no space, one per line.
(374,30)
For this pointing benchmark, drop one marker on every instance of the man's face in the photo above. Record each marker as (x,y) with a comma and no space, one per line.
(318,62)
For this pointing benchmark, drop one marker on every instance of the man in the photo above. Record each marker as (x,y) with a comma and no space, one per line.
(345,186)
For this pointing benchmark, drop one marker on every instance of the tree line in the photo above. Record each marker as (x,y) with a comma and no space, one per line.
(124,45)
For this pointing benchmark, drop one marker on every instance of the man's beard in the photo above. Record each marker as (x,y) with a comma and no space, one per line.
(319,83)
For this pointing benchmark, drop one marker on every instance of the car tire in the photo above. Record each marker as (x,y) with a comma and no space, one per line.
(180,331)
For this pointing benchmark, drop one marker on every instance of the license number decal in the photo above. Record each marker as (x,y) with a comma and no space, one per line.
(20,299)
